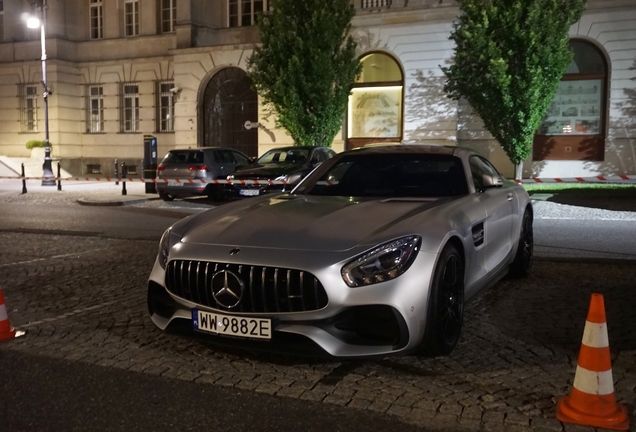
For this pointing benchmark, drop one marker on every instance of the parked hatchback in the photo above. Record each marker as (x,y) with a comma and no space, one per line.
(288,164)
(180,172)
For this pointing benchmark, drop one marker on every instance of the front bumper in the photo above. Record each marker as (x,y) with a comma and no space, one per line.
(380,319)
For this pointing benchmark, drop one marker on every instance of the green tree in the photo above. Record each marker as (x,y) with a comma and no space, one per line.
(509,58)
(306,66)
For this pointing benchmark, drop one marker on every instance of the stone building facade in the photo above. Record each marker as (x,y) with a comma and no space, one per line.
(175,69)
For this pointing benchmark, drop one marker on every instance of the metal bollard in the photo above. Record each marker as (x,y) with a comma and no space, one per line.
(124,173)
(59,178)
(116,173)
(24,189)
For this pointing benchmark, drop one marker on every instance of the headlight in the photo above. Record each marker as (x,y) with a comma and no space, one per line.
(164,248)
(383,263)
(289,178)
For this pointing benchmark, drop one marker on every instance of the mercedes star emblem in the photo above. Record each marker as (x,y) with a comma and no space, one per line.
(227,289)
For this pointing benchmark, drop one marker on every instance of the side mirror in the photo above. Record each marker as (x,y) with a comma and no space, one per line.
(492,181)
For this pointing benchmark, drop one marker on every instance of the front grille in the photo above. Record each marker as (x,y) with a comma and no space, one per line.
(265,289)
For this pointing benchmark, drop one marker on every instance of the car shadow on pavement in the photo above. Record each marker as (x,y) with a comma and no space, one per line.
(549,309)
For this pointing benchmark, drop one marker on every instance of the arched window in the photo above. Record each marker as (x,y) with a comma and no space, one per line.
(574,125)
(375,105)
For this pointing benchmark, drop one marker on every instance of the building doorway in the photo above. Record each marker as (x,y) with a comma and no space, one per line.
(228,102)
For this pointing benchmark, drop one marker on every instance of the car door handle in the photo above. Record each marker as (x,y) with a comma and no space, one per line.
(510,197)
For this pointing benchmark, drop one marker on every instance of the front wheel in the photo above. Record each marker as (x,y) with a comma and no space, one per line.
(522,263)
(445,305)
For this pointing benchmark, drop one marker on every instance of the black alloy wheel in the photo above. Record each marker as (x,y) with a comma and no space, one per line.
(522,264)
(446,304)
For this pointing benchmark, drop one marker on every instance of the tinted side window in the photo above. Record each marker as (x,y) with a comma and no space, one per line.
(317,156)
(240,159)
(223,156)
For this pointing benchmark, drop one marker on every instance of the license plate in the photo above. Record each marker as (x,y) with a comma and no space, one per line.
(249,192)
(260,328)
(174,183)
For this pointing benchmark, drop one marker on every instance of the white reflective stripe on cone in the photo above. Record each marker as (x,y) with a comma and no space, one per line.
(590,382)
(595,335)
(3,313)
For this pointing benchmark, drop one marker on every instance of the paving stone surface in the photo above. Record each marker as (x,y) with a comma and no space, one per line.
(84,299)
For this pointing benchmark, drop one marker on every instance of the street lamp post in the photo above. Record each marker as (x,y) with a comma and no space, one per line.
(48,179)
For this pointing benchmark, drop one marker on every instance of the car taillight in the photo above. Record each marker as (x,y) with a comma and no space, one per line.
(161,168)
(197,168)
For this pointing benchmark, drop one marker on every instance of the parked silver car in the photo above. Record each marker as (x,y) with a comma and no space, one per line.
(373,253)
(180,172)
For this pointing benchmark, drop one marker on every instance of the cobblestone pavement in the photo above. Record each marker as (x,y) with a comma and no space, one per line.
(83,299)
(517,354)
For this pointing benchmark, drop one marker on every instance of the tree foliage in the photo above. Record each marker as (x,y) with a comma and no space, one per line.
(306,66)
(509,58)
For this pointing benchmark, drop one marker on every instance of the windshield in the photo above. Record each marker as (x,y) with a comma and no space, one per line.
(284,156)
(390,175)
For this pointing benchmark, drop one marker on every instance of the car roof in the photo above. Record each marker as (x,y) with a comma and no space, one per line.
(294,148)
(410,148)
(202,148)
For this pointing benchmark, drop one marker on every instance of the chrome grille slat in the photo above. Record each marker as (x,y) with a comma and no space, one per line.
(266,289)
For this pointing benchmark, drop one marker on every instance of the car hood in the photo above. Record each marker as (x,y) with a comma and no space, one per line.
(268,171)
(297,222)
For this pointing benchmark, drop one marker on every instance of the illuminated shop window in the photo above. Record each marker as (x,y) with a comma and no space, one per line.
(574,125)
(375,105)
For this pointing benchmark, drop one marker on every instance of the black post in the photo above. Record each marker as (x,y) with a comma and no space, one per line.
(124,173)
(116,173)
(59,178)
(24,189)
(47,173)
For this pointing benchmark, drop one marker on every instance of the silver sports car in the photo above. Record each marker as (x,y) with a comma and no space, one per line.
(373,253)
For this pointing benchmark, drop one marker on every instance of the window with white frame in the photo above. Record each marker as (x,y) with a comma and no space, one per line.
(96,19)
(131,17)
(165,106)
(29,107)
(95,109)
(129,108)
(168,16)
(243,13)
(1,21)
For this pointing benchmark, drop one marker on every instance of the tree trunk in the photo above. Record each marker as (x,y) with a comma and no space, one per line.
(518,170)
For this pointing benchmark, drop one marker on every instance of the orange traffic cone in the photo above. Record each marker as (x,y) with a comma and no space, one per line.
(6,331)
(592,401)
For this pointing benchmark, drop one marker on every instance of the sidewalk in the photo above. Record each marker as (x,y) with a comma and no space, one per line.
(98,193)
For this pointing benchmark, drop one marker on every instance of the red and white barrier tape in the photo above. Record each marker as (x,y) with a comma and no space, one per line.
(165,181)
(597,179)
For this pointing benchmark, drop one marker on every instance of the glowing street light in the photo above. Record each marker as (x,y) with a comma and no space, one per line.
(48,179)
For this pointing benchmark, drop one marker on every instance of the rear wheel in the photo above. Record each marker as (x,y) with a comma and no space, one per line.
(215,192)
(166,197)
(522,264)
(446,304)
